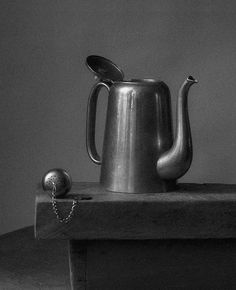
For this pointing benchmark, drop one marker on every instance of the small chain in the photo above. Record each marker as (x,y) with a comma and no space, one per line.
(55,208)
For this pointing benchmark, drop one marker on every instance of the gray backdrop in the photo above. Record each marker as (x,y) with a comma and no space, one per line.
(44,84)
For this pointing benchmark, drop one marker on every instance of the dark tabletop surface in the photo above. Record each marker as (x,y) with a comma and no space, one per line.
(26,263)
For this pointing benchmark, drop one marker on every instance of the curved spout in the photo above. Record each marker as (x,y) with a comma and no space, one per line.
(175,162)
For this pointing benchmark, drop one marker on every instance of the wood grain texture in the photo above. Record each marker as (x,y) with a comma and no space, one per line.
(194,211)
(78,264)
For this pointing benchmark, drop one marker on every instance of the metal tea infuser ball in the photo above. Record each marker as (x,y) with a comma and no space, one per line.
(58,180)
(59,183)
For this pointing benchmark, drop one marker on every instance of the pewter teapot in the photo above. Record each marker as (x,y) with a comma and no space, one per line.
(139,153)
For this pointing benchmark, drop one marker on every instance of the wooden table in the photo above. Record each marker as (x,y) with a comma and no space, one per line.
(176,240)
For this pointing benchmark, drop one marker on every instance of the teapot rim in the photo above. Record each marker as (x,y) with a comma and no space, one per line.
(143,81)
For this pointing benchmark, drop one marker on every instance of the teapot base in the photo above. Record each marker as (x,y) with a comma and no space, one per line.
(161,187)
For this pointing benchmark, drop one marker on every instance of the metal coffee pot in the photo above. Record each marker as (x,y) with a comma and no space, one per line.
(139,154)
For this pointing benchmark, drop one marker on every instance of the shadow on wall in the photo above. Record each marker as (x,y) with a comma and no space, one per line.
(44,84)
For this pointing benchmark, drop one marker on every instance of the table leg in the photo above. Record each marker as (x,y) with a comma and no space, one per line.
(78,264)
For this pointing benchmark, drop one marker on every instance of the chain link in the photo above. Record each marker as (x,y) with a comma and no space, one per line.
(55,208)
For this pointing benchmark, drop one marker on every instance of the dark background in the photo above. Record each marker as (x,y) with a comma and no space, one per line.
(44,84)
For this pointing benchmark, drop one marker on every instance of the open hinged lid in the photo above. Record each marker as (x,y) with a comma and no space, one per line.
(104,69)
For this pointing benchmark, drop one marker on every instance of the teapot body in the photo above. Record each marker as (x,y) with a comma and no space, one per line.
(138,130)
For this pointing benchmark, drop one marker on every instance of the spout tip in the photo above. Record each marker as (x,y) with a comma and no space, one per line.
(192,79)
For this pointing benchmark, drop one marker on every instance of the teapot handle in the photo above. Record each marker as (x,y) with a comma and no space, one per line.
(91,122)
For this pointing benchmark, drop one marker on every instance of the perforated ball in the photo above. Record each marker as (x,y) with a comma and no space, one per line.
(57,179)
